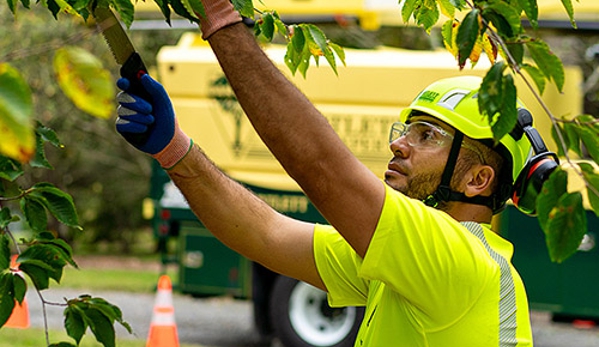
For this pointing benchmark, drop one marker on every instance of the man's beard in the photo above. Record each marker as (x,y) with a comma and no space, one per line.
(420,186)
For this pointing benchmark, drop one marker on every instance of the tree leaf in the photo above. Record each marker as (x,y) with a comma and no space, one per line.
(101,326)
(126,11)
(74,323)
(166,10)
(504,17)
(45,256)
(508,113)
(427,14)
(34,213)
(267,26)
(447,8)
(7,300)
(16,107)
(572,133)
(566,227)
(548,63)
(10,169)
(468,32)
(4,251)
(59,203)
(449,30)
(39,276)
(532,12)
(298,40)
(592,178)
(570,10)
(490,95)
(84,81)
(245,7)
(407,9)
(555,186)
(19,288)
(536,75)
(183,9)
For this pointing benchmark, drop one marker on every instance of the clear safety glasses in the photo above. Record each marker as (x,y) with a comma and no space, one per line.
(420,134)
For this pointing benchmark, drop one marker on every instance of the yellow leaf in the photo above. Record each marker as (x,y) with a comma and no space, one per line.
(83,79)
(16,108)
(489,49)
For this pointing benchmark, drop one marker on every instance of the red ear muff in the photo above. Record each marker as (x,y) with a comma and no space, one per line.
(530,181)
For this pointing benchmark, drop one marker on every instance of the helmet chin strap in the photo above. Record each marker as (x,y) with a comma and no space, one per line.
(444,192)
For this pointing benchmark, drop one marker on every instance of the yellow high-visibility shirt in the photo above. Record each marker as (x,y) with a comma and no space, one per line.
(427,280)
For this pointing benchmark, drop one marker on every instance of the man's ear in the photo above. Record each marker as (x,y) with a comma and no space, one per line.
(479,180)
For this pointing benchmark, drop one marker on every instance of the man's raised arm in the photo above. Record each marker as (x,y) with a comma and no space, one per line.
(348,195)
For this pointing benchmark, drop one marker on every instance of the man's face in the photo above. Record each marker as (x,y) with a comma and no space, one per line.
(416,170)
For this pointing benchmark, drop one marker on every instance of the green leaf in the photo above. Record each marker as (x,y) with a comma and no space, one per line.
(592,179)
(267,26)
(570,10)
(552,190)
(566,227)
(548,63)
(508,114)
(166,10)
(183,8)
(7,300)
(447,8)
(320,39)
(16,107)
(532,12)
(63,249)
(589,135)
(572,134)
(516,49)
(4,252)
(126,11)
(74,323)
(245,7)
(46,257)
(468,32)
(408,9)
(490,96)
(59,203)
(34,213)
(10,169)
(339,51)
(298,40)
(39,276)
(101,326)
(504,17)
(84,81)
(536,75)
(281,27)
(19,288)
(427,14)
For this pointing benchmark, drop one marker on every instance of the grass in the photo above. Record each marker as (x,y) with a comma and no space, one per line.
(139,281)
(35,337)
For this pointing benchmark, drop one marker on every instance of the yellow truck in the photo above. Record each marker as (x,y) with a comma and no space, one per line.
(360,103)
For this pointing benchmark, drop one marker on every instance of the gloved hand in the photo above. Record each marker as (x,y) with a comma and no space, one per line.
(151,127)
(219,14)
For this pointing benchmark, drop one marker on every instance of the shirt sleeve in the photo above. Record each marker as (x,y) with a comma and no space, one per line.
(426,256)
(338,264)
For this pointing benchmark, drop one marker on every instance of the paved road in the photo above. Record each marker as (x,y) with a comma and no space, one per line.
(223,322)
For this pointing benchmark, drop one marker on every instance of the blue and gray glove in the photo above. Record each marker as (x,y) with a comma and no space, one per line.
(151,126)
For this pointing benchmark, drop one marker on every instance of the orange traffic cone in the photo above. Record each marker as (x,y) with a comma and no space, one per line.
(19,318)
(163,330)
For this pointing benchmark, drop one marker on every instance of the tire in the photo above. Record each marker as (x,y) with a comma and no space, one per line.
(302,317)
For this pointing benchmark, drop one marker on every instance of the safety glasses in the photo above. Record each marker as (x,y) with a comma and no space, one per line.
(420,134)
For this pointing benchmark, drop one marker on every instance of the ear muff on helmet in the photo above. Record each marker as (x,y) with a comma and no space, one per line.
(538,168)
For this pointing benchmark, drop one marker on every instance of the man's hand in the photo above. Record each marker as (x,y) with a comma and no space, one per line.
(151,127)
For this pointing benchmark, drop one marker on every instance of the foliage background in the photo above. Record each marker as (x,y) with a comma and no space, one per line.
(107,178)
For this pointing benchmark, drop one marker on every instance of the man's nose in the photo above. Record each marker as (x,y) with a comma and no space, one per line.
(400,147)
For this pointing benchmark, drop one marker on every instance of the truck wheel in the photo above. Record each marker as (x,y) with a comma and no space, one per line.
(302,317)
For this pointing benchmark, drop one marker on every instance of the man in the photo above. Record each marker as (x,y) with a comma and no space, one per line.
(425,278)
